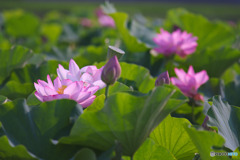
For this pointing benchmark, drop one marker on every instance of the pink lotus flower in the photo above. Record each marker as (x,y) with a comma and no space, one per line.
(189,82)
(80,91)
(89,74)
(104,20)
(178,42)
(99,12)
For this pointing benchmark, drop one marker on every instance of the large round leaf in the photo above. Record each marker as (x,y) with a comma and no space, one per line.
(172,135)
(35,126)
(20,24)
(13,152)
(150,150)
(205,142)
(11,59)
(126,118)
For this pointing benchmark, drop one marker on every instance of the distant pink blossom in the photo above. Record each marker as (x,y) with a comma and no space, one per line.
(104,20)
(178,42)
(89,74)
(189,82)
(85,22)
(99,12)
(81,92)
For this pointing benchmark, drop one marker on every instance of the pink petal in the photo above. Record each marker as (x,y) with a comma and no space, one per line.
(81,96)
(62,73)
(66,82)
(80,85)
(90,70)
(42,83)
(40,89)
(73,77)
(201,77)
(191,71)
(71,89)
(180,73)
(48,98)
(162,31)
(86,68)
(50,91)
(191,82)
(57,83)
(97,74)
(86,77)
(54,97)
(49,81)
(73,67)
(99,83)
(39,96)
(93,89)
(176,81)
(88,102)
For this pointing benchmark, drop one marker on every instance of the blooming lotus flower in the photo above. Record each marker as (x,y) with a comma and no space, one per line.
(162,78)
(189,82)
(89,74)
(111,71)
(178,42)
(81,92)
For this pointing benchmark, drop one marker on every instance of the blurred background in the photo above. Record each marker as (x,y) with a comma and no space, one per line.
(214,9)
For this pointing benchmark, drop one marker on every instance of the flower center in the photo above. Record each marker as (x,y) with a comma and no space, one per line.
(61,89)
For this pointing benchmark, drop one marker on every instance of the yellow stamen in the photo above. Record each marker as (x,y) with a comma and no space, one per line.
(61,90)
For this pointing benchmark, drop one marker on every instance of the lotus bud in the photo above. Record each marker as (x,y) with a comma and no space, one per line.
(162,78)
(114,51)
(111,71)
(205,126)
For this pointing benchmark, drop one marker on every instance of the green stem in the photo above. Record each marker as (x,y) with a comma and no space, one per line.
(192,104)
(164,63)
(106,92)
(193,117)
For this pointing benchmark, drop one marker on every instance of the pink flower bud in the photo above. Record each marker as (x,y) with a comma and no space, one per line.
(162,78)
(111,71)
(205,126)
